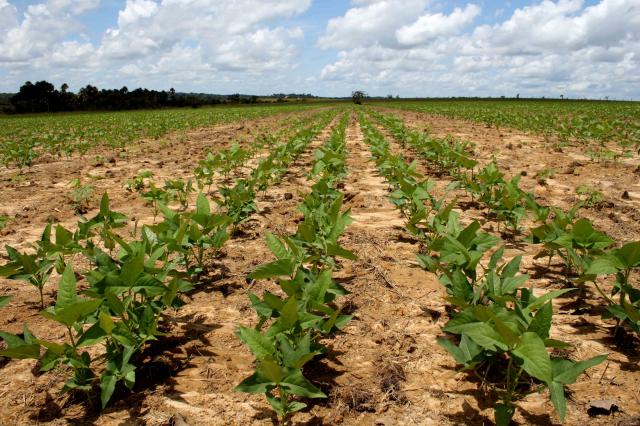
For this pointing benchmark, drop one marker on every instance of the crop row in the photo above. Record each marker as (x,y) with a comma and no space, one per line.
(291,325)
(498,329)
(24,139)
(130,281)
(585,252)
(585,122)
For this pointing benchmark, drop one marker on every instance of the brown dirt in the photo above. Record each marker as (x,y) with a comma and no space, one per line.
(384,368)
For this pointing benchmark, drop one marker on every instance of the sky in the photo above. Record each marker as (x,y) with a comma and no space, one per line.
(427,48)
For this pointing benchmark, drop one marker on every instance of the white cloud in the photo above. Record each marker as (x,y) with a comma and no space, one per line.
(164,40)
(411,47)
(373,23)
(136,10)
(430,26)
(43,26)
(546,48)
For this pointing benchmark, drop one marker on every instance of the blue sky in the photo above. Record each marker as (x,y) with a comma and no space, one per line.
(327,47)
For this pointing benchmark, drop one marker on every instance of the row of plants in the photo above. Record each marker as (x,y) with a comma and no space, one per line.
(293,322)
(235,196)
(498,331)
(129,282)
(23,140)
(585,252)
(586,122)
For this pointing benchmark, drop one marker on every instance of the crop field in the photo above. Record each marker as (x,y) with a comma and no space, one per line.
(392,263)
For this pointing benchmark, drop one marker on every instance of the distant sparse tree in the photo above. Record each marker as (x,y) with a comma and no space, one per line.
(358,96)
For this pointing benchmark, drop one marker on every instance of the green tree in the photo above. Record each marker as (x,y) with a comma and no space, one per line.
(358,96)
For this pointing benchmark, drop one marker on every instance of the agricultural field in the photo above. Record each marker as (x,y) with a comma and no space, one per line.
(436,262)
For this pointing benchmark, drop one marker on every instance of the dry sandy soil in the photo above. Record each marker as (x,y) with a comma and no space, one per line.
(385,367)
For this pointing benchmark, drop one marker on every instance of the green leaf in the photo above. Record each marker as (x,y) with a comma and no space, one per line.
(570,374)
(22,352)
(132,269)
(481,333)
(604,265)
(556,391)
(74,312)
(279,268)
(540,301)
(202,205)
(336,250)
(66,289)
(4,300)
(106,322)
(289,314)
(92,336)
(297,384)
(104,205)
(541,323)
(504,413)
(259,344)
(276,246)
(271,370)
(556,344)
(255,384)
(107,386)
(532,351)
(630,254)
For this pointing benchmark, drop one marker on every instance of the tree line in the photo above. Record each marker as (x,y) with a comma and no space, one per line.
(44,97)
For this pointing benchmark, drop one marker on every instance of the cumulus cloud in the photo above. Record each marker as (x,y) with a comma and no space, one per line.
(151,37)
(410,47)
(43,25)
(430,26)
(375,22)
(546,48)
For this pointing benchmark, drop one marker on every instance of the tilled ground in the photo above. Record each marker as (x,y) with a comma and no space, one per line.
(384,368)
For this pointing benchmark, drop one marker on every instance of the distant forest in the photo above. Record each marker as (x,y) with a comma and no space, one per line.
(44,97)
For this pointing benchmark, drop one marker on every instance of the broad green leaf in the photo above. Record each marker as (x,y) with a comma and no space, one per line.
(630,254)
(12,340)
(570,373)
(541,323)
(504,413)
(132,269)
(481,333)
(4,300)
(92,336)
(336,250)
(104,205)
(289,314)
(540,301)
(536,361)
(106,322)
(107,386)
(278,268)
(297,384)
(74,312)
(202,205)
(23,351)
(604,265)
(258,343)
(276,404)
(66,289)
(556,391)
(271,370)
(276,246)
(255,384)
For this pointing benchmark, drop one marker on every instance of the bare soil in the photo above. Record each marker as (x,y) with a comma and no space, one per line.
(385,367)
